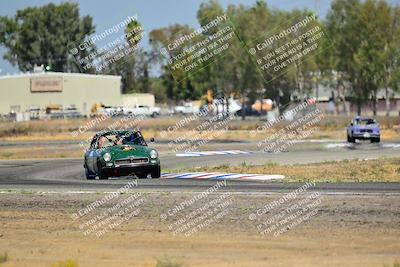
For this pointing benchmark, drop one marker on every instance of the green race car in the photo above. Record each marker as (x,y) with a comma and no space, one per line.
(121,153)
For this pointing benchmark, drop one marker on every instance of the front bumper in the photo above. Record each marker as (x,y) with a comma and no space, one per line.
(366,136)
(130,169)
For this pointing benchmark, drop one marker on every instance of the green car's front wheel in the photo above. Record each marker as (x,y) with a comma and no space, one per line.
(156,173)
(89,175)
(100,173)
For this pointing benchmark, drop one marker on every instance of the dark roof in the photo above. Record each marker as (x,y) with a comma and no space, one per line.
(115,131)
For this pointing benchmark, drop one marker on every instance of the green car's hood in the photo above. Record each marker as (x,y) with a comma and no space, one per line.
(125,151)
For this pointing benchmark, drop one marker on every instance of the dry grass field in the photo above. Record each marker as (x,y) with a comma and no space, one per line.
(328,128)
(64,128)
(379,170)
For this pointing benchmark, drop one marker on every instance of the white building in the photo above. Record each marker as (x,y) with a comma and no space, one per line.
(22,92)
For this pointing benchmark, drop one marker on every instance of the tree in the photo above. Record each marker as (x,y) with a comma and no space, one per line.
(374,19)
(244,74)
(133,67)
(391,56)
(220,73)
(44,35)
(178,83)
(359,56)
(343,29)
(365,46)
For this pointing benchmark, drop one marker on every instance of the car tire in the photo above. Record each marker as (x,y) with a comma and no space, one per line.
(352,139)
(156,173)
(348,138)
(101,174)
(376,140)
(89,175)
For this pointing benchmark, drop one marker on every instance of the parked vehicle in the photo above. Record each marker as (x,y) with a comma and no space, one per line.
(363,129)
(71,112)
(34,112)
(187,108)
(248,111)
(111,111)
(233,106)
(142,110)
(58,112)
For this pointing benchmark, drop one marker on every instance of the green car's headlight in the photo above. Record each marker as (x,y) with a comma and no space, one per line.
(107,156)
(153,154)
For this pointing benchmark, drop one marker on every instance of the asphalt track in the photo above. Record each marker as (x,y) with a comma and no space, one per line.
(66,175)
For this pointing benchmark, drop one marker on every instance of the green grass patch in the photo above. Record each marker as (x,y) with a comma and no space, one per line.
(3,257)
(67,263)
(167,263)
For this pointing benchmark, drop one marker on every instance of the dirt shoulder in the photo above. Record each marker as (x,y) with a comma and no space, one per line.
(347,230)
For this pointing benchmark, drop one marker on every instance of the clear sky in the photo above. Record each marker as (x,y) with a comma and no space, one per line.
(151,13)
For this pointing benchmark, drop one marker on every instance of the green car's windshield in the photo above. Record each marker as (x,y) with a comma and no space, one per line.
(123,138)
(133,138)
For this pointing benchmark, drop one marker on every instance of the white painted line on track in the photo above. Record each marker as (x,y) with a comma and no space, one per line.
(222,176)
(212,153)
(341,145)
(255,193)
(312,141)
(391,145)
(338,145)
